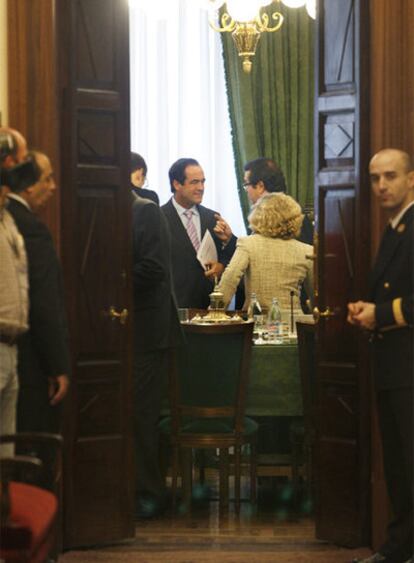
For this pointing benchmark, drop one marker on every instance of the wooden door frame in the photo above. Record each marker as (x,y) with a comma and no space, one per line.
(38,50)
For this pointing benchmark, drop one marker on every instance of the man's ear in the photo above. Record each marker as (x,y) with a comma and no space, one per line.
(176,184)
(260,187)
(8,161)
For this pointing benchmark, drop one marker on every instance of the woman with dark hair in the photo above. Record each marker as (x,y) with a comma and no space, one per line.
(139,176)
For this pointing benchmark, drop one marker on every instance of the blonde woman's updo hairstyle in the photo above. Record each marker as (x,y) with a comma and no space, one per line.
(276,215)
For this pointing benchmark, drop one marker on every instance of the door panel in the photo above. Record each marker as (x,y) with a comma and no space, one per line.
(342,206)
(96,241)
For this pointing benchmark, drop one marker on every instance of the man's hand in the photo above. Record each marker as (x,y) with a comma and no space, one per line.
(353,310)
(222,229)
(214,270)
(362,314)
(58,387)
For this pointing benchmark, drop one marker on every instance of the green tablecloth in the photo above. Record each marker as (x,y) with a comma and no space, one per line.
(274,386)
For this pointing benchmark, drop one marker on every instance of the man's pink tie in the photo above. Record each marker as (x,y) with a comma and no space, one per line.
(191,229)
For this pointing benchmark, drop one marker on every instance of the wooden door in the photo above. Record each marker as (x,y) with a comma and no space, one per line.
(93,90)
(342,218)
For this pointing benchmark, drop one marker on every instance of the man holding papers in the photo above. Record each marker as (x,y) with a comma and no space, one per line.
(201,242)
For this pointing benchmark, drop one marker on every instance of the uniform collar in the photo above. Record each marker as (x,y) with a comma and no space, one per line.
(395,220)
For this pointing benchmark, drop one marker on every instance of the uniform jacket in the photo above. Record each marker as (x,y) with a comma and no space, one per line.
(272,267)
(156,324)
(43,350)
(191,287)
(392,289)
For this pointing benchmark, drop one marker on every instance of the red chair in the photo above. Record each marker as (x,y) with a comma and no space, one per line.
(28,512)
(47,448)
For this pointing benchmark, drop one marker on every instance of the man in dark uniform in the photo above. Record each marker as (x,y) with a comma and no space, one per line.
(389,315)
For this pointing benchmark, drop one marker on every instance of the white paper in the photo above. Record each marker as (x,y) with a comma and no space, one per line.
(207,252)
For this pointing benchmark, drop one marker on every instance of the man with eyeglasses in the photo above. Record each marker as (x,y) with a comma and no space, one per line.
(188,222)
(263,176)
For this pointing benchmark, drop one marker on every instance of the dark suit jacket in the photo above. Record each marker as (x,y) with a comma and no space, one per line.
(392,288)
(43,350)
(146,194)
(191,287)
(156,324)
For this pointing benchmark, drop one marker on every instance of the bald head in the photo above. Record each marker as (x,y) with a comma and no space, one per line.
(18,152)
(395,155)
(392,179)
(39,193)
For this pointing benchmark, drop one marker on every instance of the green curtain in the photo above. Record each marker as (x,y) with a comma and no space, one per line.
(271,109)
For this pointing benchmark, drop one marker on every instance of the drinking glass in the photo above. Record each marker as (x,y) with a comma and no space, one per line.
(183,315)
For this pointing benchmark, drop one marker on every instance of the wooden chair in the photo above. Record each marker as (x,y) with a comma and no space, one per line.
(28,512)
(47,448)
(207,384)
(303,435)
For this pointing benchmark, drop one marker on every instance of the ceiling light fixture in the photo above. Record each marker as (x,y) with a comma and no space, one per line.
(245,21)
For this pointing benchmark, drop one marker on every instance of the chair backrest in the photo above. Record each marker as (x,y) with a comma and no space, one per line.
(44,446)
(46,449)
(210,373)
(307,369)
(23,469)
(28,511)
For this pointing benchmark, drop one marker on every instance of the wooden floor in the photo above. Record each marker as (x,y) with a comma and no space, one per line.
(270,532)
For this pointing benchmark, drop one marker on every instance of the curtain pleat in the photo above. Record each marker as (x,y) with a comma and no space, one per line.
(271,109)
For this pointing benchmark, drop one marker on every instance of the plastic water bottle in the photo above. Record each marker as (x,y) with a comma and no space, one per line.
(254,308)
(255,313)
(274,323)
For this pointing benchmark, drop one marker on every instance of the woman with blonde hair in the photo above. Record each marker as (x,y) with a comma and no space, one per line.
(272,261)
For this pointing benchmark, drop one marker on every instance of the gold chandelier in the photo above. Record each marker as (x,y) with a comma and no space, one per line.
(245,21)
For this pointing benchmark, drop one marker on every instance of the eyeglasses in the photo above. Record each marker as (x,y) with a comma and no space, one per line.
(246,185)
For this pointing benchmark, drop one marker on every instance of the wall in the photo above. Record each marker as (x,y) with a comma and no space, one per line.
(392,84)
(392,125)
(3,64)
(32,86)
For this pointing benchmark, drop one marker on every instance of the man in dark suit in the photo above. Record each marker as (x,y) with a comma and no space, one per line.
(389,315)
(43,360)
(139,171)
(188,221)
(156,330)
(264,176)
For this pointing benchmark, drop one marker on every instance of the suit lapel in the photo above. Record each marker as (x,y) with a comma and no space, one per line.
(203,221)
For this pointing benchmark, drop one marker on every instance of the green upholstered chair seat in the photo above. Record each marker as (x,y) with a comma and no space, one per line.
(210,426)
